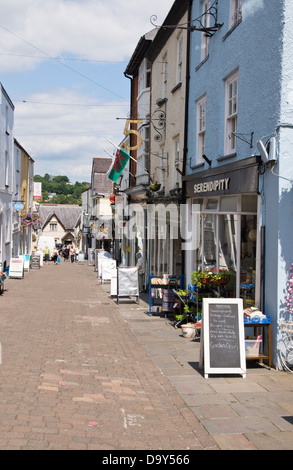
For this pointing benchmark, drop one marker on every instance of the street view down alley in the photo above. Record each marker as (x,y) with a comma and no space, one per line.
(80,372)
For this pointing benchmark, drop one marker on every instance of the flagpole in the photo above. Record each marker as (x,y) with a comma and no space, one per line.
(107,152)
(119,149)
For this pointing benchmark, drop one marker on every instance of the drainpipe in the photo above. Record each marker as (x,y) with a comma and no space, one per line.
(185,148)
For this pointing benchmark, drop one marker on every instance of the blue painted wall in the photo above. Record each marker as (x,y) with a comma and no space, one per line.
(254,47)
(261,48)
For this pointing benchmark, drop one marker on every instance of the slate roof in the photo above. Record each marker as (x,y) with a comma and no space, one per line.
(68,215)
(100,181)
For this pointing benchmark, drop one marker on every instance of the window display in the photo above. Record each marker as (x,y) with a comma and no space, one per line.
(226,251)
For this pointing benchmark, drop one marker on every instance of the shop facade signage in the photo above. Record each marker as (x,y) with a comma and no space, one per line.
(215,185)
(237,178)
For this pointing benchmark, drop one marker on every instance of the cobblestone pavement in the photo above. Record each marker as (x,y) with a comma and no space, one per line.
(81,372)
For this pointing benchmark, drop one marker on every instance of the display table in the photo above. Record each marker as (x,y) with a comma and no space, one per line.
(263,328)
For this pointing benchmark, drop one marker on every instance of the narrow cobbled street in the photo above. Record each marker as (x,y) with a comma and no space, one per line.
(74,375)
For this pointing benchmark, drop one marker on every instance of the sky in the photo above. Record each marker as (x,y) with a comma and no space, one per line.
(62,64)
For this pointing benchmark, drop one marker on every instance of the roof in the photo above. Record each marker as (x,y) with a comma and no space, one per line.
(68,215)
(140,52)
(100,181)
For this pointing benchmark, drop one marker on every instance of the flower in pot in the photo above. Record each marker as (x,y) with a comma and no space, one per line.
(155,186)
(201,278)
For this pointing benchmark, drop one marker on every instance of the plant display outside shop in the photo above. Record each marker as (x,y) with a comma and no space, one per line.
(217,277)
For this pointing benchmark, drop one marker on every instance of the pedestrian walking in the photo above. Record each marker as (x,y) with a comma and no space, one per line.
(72,254)
(47,254)
(55,256)
(140,267)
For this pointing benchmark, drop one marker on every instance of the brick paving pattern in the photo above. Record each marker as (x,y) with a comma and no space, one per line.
(80,372)
(74,375)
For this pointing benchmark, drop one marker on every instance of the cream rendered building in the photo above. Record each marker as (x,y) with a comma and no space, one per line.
(168,89)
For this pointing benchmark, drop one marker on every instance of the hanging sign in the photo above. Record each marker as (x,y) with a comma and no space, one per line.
(18,206)
(222,349)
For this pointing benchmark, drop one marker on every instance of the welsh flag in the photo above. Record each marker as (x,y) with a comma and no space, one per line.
(119,162)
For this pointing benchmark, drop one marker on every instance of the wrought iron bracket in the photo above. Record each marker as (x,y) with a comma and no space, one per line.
(243,138)
(198,24)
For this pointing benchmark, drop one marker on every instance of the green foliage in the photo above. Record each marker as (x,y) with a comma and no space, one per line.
(66,192)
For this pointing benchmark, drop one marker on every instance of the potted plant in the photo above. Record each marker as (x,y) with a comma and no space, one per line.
(155,186)
(202,278)
(221,276)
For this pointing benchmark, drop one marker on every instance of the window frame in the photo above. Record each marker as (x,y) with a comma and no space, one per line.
(235,12)
(179,68)
(204,37)
(165,77)
(231,112)
(201,129)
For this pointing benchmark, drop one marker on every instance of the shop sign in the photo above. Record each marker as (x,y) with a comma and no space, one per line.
(214,185)
(224,180)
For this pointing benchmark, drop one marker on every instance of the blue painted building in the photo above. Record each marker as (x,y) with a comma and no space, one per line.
(239,150)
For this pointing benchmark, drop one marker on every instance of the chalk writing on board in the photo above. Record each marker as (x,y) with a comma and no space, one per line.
(224,337)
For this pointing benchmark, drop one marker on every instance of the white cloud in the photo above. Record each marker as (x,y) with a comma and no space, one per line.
(65,139)
(85,28)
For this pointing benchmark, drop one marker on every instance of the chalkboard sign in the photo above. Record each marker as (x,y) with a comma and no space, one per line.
(222,339)
(35,262)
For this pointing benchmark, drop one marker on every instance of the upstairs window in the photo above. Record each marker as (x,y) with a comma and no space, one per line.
(235,12)
(231,113)
(176,161)
(179,58)
(201,127)
(144,76)
(206,24)
(165,77)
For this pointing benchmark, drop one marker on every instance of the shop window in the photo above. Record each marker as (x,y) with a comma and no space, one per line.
(227,241)
(228,204)
(212,204)
(249,203)
(248,259)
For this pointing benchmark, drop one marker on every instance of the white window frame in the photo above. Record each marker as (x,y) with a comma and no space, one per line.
(232,83)
(204,37)
(179,58)
(176,160)
(6,182)
(165,77)
(163,167)
(235,12)
(144,75)
(201,127)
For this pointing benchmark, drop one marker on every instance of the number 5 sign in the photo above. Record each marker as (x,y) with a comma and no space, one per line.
(134,132)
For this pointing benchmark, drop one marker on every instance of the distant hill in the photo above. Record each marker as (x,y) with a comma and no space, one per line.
(59,190)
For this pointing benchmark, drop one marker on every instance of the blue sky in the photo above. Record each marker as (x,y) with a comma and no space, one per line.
(65,59)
